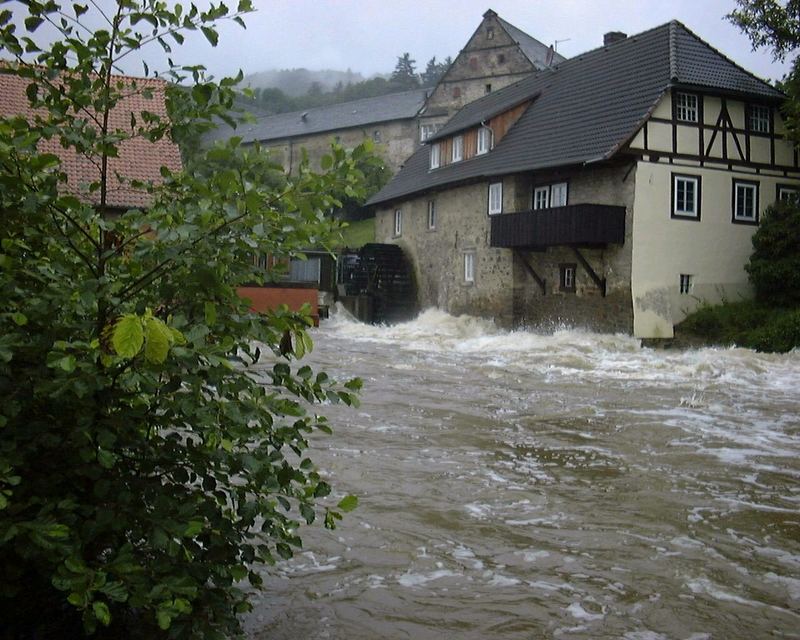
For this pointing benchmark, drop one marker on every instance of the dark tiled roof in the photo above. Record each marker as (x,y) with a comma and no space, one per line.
(358,113)
(584,109)
(534,50)
(138,159)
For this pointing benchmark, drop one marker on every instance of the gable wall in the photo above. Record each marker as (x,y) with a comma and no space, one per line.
(497,61)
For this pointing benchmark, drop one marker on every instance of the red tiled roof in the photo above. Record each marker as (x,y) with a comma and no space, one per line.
(138,158)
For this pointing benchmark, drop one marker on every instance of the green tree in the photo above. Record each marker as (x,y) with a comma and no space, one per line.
(405,74)
(435,70)
(774,266)
(374,175)
(776,25)
(153,431)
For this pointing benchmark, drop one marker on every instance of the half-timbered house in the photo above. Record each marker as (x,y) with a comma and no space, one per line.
(615,190)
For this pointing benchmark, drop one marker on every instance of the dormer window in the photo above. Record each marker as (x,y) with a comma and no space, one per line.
(458,148)
(484,140)
(686,107)
(435,156)
(758,118)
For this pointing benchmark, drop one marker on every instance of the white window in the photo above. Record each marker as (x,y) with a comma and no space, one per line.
(558,194)
(426,131)
(788,194)
(435,156)
(745,201)
(458,148)
(567,272)
(398,222)
(431,215)
(685,285)
(376,135)
(495,198)
(469,267)
(484,140)
(685,196)
(686,107)
(541,197)
(759,119)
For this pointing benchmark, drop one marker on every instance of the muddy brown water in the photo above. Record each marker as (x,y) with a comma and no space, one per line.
(570,485)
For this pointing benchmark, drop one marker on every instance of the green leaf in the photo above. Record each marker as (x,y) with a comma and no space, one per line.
(128,336)
(116,591)
(20,318)
(102,613)
(164,619)
(348,503)
(193,528)
(32,23)
(67,363)
(238,572)
(106,459)
(210,312)
(211,35)
(3,501)
(157,341)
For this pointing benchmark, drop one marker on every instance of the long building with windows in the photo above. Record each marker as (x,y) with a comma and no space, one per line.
(616,190)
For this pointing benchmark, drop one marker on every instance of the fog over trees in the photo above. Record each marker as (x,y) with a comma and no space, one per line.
(281,91)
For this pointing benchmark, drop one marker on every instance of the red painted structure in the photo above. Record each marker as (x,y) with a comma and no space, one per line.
(264,299)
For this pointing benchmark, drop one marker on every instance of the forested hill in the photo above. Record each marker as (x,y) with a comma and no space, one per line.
(295,89)
(298,82)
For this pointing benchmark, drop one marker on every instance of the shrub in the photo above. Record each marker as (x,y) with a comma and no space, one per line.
(153,431)
(774,266)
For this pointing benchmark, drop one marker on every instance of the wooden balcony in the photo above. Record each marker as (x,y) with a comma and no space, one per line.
(577,225)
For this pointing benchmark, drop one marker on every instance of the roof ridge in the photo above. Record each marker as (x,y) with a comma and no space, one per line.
(341,104)
(510,27)
(8,67)
(613,45)
(678,23)
(673,52)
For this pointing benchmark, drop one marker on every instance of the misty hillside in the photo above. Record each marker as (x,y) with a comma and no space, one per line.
(297,82)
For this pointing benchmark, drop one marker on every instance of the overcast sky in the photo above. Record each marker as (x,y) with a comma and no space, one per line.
(368,35)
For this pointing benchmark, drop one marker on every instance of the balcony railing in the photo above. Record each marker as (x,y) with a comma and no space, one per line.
(579,225)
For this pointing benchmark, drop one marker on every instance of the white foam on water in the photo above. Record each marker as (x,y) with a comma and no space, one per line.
(792,585)
(479,511)
(532,556)
(420,579)
(578,612)
(498,580)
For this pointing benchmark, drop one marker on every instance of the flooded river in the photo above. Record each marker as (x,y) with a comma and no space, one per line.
(573,485)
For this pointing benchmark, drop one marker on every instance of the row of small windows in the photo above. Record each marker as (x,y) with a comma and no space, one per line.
(543,197)
(687,109)
(483,145)
(687,200)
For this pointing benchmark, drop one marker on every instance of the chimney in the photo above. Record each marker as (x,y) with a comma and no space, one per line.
(613,36)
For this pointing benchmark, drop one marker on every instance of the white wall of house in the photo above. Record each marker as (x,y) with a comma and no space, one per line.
(710,249)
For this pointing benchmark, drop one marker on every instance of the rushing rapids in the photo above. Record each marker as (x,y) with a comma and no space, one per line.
(568,485)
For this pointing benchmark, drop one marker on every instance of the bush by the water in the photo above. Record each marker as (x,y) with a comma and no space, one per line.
(774,266)
(745,324)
